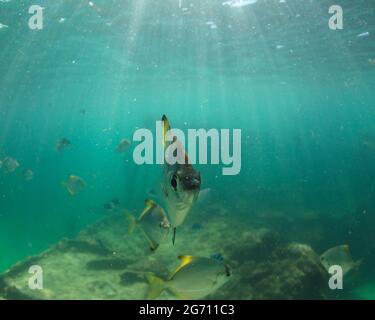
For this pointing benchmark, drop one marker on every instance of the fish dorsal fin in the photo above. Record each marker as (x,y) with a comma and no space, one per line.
(149,205)
(185,261)
(346,249)
(166,128)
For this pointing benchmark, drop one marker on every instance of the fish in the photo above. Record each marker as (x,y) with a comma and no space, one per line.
(194,278)
(123,146)
(28,175)
(62,144)
(340,256)
(112,205)
(181,183)
(371,61)
(74,185)
(153,222)
(9,164)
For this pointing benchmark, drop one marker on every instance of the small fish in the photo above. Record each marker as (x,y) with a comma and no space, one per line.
(62,144)
(9,164)
(123,146)
(181,182)
(371,61)
(153,222)
(28,175)
(1,164)
(194,278)
(112,205)
(74,185)
(82,111)
(340,256)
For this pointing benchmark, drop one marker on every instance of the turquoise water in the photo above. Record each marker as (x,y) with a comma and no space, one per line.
(302,94)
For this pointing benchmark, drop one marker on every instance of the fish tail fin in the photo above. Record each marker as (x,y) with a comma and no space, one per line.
(132,222)
(157,286)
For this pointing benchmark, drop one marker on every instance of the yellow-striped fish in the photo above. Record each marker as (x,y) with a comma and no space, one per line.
(153,222)
(340,256)
(194,278)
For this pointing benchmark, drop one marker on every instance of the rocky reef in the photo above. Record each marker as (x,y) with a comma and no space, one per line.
(104,262)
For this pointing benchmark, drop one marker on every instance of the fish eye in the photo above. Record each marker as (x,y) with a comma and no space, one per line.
(174,182)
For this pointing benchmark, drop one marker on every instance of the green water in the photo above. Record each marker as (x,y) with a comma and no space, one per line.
(302,94)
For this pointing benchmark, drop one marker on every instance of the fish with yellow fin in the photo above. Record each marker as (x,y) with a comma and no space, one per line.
(74,185)
(340,256)
(194,278)
(153,222)
(181,182)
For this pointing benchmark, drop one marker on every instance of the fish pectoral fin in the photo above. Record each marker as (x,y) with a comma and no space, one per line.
(157,286)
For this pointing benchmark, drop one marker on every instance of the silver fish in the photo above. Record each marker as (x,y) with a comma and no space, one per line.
(10,164)
(123,146)
(28,175)
(74,185)
(153,222)
(181,183)
(341,256)
(63,144)
(194,278)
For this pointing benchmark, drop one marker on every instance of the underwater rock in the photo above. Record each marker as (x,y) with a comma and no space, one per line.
(252,245)
(291,271)
(104,263)
(10,292)
(103,288)
(108,264)
(129,278)
(87,245)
